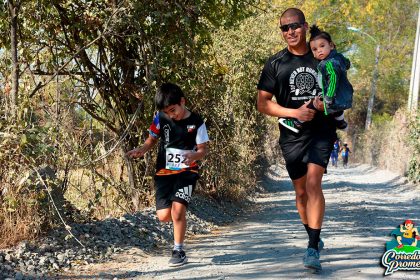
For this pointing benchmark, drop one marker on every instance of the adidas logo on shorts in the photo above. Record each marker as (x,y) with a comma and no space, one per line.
(184,193)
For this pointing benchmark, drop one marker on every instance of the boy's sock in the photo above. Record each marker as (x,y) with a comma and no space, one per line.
(313,237)
(179,246)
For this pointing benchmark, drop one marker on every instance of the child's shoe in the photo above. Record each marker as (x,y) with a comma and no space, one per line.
(178,258)
(341,124)
(292,124)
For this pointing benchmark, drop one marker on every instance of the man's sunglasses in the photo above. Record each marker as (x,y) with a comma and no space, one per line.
(293,26)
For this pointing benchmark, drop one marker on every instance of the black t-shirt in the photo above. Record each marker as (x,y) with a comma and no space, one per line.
(292,79)
(182,135)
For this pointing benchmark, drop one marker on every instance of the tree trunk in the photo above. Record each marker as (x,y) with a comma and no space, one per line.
(14,11)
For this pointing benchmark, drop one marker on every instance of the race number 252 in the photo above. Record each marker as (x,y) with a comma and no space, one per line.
(175,159)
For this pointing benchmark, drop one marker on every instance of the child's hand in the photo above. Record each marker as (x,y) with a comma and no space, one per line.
(189,158)
(318,104)
(135,153)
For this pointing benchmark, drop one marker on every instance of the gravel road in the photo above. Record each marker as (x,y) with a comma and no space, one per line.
(363,205)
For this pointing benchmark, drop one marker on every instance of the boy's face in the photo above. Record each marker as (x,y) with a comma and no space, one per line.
(321,48)
(176,111)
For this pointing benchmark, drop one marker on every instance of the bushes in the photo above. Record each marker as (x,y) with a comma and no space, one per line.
(20,211)
(391,143)
(413,138)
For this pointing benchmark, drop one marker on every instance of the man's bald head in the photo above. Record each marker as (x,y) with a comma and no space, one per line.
(291,12)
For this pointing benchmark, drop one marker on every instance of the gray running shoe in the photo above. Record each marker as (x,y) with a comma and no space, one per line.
(311,259)
(178,258)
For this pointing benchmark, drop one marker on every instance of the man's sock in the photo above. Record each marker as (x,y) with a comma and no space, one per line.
(178,246)
(313,237)
(307,228)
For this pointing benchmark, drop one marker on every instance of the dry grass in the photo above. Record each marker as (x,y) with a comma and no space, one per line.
(22,222)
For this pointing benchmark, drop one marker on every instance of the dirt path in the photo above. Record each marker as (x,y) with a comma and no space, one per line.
(363,206)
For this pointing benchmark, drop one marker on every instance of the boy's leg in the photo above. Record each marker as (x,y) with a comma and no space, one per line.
(163,193)
(183,189)
(164,215)
(178,212)
(168,210)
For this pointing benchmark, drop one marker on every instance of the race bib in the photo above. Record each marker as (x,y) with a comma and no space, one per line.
(175,158)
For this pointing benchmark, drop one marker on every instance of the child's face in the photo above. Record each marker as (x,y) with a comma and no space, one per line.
(176,111)
(321,48)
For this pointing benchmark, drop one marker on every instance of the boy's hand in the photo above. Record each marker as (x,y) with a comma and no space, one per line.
(189,158)
(135,153)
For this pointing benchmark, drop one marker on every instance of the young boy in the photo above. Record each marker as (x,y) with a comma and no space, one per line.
(337,92)
(183,141)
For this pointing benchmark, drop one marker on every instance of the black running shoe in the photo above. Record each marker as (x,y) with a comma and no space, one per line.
(178,258)
(292,124)
(342,124)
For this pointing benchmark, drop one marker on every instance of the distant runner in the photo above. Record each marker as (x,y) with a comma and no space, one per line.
(334,153)
(345,154)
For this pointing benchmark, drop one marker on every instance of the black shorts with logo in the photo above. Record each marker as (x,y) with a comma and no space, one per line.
(309,147)
(176,187)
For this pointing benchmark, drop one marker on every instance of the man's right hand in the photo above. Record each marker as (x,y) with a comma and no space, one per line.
(303,113)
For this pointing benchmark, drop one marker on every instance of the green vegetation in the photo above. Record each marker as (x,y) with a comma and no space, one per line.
(88,70)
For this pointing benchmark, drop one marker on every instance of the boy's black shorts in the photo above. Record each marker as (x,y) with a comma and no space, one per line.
(177,187)
(316,150)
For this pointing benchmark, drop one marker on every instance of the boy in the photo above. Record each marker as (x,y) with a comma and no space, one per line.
(337,92)
(183,141)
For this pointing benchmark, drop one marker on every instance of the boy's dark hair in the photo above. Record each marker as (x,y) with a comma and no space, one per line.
(168,94)
(294,12)
(318,33)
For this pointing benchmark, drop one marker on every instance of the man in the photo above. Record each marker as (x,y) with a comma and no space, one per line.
(290,76)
